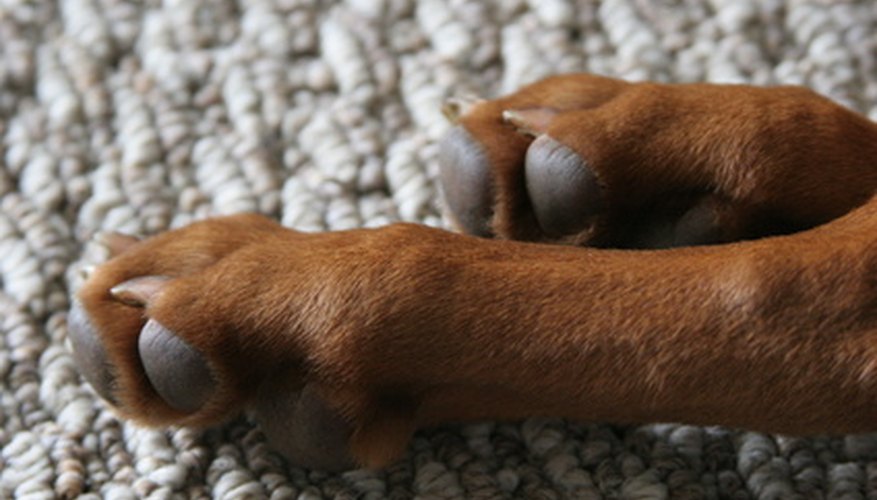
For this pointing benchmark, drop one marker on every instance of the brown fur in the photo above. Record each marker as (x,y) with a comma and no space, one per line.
(406,326)
(781,156)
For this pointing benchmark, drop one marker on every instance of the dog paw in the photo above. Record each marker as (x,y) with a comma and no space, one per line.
(177,330)
(489,162)
(588,160)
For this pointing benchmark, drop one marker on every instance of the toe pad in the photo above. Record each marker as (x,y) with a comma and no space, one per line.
(89,353)
(305,430)
(466,180)
(563,189)
(176,370)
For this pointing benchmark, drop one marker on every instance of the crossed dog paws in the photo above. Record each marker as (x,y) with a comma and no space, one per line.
(342,344)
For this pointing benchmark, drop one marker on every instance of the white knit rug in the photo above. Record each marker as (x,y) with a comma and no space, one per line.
(140,116)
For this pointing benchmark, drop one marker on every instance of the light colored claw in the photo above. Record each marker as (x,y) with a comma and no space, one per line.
(86,271)
(138,292)
(530,122)
(116,242)
(455,107)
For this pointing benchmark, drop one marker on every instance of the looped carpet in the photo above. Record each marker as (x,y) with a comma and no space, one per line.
(142,116)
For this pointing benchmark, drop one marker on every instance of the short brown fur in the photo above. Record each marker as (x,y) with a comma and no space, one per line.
(780,153)
(406,326)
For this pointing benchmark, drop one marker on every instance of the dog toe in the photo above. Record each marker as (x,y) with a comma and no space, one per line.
(302,427)
(563,189)
(177,371)
(466,178)
(89,352)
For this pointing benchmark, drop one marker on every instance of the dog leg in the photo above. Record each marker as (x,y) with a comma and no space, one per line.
(389,329)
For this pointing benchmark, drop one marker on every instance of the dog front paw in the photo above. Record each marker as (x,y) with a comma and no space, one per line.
(142,346)
(194,325)
(176,330)
(588,160)
(501,176)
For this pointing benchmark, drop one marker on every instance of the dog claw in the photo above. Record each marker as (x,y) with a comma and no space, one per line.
(116,242)
(455,107)
(176,370)
(138,292)
(86,271)
(530,122)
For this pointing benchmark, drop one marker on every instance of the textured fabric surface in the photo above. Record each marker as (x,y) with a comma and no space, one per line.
(140,116)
